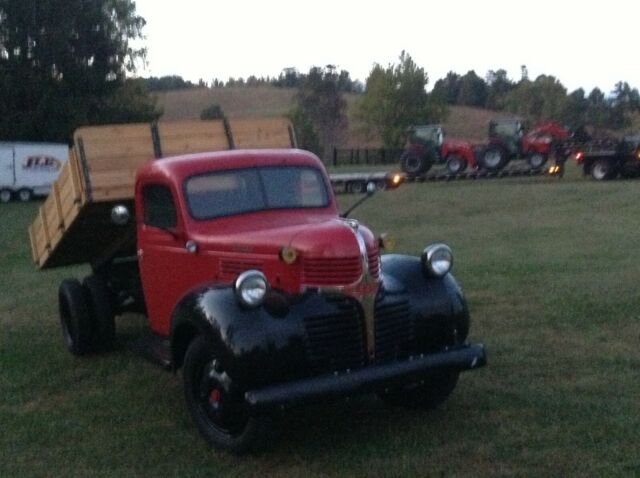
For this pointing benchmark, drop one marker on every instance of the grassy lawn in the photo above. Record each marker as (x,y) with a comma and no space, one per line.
(552,278)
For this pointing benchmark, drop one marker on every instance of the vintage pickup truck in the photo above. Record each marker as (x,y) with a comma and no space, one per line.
(265,296)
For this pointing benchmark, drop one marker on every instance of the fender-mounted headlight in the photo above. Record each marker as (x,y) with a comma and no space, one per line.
(437,260)
(251,288)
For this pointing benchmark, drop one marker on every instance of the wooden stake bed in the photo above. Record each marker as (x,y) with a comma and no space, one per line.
(73,225)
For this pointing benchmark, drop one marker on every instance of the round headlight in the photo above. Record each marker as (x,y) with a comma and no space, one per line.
(251,288)
(437,260)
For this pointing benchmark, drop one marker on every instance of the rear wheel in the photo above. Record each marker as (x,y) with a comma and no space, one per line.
(25,195)
(77,328)
(602,169)
(219,411)
(5,195)
(455,164)
(536,160)
(414,163)
(427,394)
(100,307)
(493,158)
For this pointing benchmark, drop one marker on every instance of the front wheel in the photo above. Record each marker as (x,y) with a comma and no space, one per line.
(602,169)
(426,394)
(455,164)
(536,160)
(5,195)
(218,410)
(77,327)
(25,195)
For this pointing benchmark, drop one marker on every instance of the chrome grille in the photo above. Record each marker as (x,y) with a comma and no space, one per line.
(331,271)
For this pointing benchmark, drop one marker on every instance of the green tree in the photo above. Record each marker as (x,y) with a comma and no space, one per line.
(447,89)
(575,109)
(394,99)
(624,102)
(542,99)
(319,115)
(213,111)
(498,86)
(63,63)
(473,90)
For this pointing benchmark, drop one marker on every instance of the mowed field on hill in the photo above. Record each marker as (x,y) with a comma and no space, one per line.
(241,102)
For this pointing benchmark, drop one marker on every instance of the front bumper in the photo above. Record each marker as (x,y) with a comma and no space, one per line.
(341,384)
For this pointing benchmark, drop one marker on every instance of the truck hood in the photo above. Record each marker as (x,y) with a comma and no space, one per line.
(312,237)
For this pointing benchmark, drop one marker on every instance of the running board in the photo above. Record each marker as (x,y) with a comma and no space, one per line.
(154,348)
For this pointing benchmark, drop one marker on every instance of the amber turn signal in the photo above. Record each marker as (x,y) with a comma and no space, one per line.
(393,180)
(288,254)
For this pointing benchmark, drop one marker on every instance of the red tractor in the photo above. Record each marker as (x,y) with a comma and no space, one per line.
(427,146)
(508,140)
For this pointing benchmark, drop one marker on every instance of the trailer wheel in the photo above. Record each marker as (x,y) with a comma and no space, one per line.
(426,394)
(357,187)
(100,307)
(25,195)
(601,169)
(493,158)
(5,195)
(536,160)
(455,164)
(219,412)
(74,317)
(414,163)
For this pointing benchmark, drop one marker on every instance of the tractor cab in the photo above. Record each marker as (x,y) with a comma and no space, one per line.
(428,135)
(508,132)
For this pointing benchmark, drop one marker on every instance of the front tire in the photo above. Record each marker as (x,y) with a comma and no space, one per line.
(77,328)
(455,164)
(219,411)
(427,394)
(536,160)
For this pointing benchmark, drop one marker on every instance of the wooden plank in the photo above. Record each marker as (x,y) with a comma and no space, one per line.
(45,231)
(77,179)
(192,137)
(34,252)
(260,133)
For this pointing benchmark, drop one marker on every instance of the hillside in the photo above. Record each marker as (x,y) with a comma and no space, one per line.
(462,122)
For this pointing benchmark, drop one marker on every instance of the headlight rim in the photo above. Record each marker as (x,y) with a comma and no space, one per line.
(427,260)
(243,279)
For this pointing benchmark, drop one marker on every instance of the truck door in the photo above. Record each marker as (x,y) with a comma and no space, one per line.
(168,269)
(7,172)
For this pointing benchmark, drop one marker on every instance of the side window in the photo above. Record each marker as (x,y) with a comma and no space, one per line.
(159,209)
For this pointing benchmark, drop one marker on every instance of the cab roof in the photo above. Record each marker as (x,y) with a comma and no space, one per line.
(180,167)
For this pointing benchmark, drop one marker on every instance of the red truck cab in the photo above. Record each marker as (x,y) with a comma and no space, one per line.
(267,297)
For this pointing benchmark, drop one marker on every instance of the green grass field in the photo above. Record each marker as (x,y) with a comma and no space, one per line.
(552,277)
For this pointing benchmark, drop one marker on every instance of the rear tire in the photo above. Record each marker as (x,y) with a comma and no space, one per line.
(455,164)
(77,328)
(601,170)
(100,307)
(493,158)
(413,163)
(5,195)
(25,195)
(219,412)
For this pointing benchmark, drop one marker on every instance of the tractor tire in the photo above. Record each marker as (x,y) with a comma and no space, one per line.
(77,326)
(493,158)
(602,170)
(413,163)
(100,306)
(536,160)
(456,164)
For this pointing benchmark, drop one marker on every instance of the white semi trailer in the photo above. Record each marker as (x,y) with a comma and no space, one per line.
(29,169)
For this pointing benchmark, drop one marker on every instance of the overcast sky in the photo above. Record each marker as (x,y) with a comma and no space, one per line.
(584,44)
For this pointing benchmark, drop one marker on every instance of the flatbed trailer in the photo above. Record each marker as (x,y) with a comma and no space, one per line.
(74,226)
(604,160)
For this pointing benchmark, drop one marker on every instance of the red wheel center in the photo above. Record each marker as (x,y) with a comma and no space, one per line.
(214,395)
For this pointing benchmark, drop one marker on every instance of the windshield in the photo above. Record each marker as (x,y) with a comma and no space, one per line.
(225,193)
